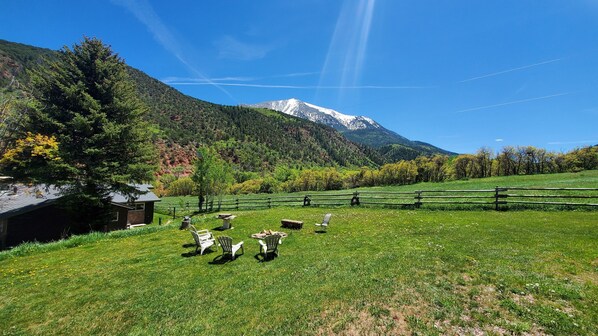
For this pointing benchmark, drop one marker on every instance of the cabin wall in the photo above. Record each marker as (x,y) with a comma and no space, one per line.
(42,225)
(3,226)
(149,212)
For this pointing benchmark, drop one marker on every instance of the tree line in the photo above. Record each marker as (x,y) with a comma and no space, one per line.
(518,160)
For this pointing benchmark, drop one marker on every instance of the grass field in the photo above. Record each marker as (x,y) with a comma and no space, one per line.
(376,271)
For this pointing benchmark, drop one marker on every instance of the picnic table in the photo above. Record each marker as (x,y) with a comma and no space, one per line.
(291,224)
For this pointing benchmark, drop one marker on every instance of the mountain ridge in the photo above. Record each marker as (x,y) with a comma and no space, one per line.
(359,129)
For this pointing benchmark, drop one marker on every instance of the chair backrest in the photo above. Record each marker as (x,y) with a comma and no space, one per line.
(196,237)
(272,242)
(327,219)
(204,234)
(226,242)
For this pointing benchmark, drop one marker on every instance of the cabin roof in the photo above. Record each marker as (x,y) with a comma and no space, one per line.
(20,198)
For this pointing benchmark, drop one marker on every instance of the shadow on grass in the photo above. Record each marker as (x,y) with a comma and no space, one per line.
(194,253)
(261,258)
(223,259)
(221,229)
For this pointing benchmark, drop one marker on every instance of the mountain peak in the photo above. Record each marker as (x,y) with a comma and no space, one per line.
(318,114)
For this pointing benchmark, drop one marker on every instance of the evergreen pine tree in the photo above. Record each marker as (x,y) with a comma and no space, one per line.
(90,105)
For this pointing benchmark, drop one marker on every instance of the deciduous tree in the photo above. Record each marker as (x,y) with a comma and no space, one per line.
(211,175)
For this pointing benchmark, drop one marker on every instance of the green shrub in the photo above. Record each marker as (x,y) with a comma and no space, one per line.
(181,187)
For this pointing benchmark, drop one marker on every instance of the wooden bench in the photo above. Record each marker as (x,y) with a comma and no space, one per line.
(291,224)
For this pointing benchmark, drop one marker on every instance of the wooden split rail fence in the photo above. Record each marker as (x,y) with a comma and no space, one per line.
(499,198)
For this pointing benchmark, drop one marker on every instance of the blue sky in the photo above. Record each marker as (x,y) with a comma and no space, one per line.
(457,74)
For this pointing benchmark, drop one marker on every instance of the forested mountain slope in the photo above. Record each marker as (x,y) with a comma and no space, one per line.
(253,139)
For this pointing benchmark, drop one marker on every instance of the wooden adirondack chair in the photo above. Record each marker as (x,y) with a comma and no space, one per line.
(227,246)
(324,225)
(269,245)
(202,241)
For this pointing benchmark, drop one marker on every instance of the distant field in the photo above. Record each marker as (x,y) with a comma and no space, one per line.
(586,179)
(376,271)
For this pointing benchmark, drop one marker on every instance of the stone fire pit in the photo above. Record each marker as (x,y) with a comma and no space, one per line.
(265,233)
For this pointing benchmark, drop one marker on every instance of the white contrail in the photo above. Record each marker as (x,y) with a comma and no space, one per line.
(510,70)
(307,87)
(513,102)
(145,13)
(367,8)
(348,45)
(189,80)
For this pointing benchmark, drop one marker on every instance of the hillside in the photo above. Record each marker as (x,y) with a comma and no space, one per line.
(252,139)
(16,57)
(392,146)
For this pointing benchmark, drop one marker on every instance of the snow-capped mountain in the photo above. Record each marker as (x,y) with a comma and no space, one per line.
(358,129)
(319,114)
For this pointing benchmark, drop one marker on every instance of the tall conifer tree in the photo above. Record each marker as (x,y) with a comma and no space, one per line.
(89,104)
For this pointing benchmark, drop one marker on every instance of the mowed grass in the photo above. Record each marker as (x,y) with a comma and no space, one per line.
(376,271)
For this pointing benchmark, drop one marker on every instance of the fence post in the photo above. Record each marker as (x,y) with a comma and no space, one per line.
(496,198)
(237,203)
(219,204)
(173,212)
(418,198)
(355,199)
(269,202)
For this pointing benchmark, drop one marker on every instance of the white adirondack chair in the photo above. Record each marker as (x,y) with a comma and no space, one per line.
(204,234)
(324,225)
(202,241)
(228,247)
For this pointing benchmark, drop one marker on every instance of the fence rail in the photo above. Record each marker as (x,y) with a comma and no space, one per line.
(497,198)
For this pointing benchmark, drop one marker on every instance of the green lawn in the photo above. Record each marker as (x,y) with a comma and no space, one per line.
(376,271)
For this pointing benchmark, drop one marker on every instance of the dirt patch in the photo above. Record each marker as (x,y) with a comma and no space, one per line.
(354,323)
(524,299)
(373,319)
